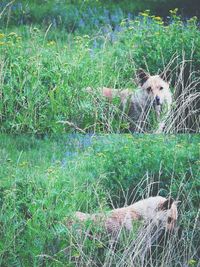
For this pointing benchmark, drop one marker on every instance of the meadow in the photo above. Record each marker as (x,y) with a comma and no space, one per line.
(44,181)
(63,149)
(46,68)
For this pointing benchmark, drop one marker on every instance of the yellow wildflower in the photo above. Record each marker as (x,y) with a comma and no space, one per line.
(51,43)
(23,164)
(144,14)
(157,18)
(173,12)
(2,35)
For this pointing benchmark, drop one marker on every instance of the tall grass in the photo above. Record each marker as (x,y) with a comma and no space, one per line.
(44,74)
(46,64)
(43,182)
(185,114)
(144,246)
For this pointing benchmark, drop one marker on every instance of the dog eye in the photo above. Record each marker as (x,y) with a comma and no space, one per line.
(169,220)
(161,88)
(149,89)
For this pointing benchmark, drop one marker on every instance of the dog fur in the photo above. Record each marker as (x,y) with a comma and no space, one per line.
(159,211)
(153,92)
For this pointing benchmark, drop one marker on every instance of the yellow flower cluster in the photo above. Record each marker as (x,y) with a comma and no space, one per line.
(145,13)
(9,39)
(157,19)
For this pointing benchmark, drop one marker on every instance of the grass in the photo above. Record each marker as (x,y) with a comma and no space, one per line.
(45,181)
(47,60)
(44,73)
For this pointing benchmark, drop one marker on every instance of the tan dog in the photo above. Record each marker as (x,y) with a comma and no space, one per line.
(153,93)
(158,210)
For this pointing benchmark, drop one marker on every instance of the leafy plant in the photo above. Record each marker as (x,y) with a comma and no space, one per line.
(43,182)
(45,75)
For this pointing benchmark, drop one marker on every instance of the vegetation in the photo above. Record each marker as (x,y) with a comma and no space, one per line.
(82,14)
(44,181)
(50,52)
(44,73)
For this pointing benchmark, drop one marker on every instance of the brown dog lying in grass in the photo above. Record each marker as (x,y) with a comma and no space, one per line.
(159,211)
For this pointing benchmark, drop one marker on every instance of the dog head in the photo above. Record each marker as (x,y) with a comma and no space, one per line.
(156,87)
(167,213)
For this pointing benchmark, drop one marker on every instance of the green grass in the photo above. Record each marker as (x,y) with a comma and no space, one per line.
(44,181)
(48,56)
(44,73)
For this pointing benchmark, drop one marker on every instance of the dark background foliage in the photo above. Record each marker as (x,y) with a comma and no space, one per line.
(62,13)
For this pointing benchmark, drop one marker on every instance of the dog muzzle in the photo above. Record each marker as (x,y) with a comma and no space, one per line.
(157,105)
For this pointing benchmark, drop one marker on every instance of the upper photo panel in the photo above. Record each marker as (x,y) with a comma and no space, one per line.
(99,66)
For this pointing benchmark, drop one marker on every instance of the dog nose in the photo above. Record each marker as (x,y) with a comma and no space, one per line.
(157,100)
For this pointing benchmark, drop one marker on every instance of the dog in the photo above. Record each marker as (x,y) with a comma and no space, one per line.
(153,92)
(159,211)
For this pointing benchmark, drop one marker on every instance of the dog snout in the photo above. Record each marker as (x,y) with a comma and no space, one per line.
(157,100)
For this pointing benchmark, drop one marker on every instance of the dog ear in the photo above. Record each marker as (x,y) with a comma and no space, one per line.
(142,76)
(166,75)
(166,205)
